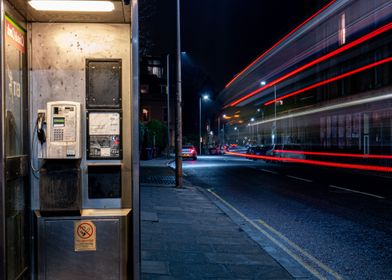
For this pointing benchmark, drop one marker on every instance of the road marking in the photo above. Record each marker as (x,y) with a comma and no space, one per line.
(268,171)
(299,178)
(354,191)
(282,246)
(302,251)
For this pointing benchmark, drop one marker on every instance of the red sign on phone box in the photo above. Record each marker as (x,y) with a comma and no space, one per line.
(15,35)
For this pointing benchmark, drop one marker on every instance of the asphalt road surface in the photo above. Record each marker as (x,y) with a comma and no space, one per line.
(336,224)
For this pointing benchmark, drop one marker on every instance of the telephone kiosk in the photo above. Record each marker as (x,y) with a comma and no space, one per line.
(60,176)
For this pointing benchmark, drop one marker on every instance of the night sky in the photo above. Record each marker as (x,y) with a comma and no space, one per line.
(220,37)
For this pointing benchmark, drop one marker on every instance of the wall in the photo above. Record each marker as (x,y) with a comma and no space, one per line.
(57,72)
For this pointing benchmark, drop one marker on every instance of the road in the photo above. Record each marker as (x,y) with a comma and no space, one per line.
(335,224)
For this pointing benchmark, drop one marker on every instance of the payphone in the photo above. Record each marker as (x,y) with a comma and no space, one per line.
(63,132)
(60,189)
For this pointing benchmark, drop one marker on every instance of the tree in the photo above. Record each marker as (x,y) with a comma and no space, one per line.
(157,135)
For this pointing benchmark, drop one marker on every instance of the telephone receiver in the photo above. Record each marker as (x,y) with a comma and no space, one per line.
(40,131)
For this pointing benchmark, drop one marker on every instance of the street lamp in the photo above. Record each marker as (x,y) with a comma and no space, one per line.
(178,153)
(204,97)
(168,102)
(263,83)
(274,128)
(223,129)
(238,134)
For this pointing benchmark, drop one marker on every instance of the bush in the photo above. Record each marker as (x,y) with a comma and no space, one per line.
(153,135)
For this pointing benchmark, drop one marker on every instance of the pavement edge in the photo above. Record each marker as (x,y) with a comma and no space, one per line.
(290,265)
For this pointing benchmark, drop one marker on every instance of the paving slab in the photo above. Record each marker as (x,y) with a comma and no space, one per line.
(155,267)
(149,216)
(184,235)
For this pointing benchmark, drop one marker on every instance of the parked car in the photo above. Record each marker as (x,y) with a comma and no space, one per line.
(289,151)
(257,150)
(216,150)
(189,152)
(271,150)
(286,151)
(237,148)
(232,148)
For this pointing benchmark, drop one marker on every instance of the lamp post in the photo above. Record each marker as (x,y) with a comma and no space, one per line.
(168,102)
(274,129)
(204,97)
(219,132)
(179,182)
(238,134)
(263,83)
(223,129)
(253,139)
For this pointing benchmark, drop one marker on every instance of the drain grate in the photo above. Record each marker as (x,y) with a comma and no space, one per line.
(158,180)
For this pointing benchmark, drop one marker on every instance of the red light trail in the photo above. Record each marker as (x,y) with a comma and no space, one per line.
(318,162)
(276,44)
(354,43)
(339,77)
(334,154)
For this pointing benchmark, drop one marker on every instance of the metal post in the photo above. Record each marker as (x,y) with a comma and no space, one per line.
(223,132)
(274,128)
(168,102)
(219,134)
(179,182)
(136,252)
(200,125)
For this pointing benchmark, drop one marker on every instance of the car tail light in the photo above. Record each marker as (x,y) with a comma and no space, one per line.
(192,151)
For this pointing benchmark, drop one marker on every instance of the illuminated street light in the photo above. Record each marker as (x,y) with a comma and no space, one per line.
(274,125)
(238,134)
(205,97)
(263,83)
(252,119)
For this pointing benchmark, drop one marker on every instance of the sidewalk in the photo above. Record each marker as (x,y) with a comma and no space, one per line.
(184,235)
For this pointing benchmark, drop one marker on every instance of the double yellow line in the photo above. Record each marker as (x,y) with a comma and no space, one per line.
(298,257)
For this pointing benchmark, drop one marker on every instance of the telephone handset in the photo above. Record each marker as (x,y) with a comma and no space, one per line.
(40,128)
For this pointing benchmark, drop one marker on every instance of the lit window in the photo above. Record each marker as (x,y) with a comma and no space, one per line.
(342,29)
(144,89)
(155,70)
(145,115)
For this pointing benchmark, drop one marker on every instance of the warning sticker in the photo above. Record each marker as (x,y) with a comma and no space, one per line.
(85,236)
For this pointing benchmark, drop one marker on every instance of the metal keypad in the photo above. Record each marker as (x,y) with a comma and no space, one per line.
(58,135)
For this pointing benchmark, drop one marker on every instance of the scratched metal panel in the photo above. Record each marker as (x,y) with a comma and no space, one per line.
(103,79)
(58,260)
(58,73)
